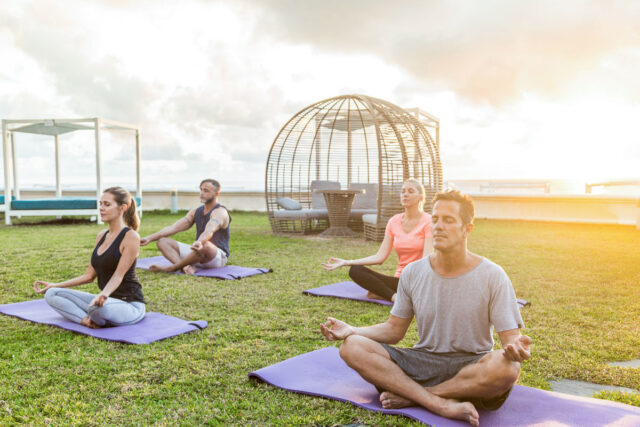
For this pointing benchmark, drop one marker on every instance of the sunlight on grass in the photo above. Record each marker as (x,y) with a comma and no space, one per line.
(582,281)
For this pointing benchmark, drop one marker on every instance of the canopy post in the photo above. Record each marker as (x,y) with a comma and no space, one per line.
(7,182)
(138,180)
(14,161)
(58,186)
(98,169)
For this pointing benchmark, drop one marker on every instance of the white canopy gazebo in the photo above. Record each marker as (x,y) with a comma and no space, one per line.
(15,206)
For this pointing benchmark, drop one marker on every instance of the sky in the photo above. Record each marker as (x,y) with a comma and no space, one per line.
(524,90)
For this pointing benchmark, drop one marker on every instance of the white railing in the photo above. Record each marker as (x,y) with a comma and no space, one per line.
(626,183)
(584,208)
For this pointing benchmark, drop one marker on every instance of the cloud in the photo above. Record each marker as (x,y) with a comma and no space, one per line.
(210,83)
(490,51)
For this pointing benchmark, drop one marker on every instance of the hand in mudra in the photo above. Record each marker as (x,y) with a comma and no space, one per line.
(336,330)
(40,286)
(99,300)
(334,263)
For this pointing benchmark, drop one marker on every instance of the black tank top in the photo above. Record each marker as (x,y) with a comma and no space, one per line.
(105,265)
(221,237)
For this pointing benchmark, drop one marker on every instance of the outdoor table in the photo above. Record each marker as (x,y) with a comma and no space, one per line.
(339,203)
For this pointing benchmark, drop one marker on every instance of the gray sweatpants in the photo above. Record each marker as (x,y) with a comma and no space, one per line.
(74,305)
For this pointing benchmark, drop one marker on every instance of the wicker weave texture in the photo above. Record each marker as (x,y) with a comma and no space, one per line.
(349,139)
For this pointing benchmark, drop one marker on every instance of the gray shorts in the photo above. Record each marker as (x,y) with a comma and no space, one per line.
(220,260)
(429,369)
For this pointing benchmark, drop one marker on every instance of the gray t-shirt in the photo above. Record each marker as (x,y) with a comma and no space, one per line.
(457,314)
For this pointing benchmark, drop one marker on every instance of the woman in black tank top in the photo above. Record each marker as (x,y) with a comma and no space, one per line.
(113,263)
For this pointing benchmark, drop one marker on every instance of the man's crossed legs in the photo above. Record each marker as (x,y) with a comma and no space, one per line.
(487,380)
(182,256)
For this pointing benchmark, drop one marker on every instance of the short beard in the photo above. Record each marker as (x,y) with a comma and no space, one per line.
(211,200)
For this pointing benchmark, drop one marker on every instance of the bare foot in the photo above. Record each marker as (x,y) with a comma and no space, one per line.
(86,321)
(464,411)
(393,401)
(189,269)
(371,295)
(157,268)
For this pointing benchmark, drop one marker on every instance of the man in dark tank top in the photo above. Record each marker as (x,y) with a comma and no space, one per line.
(211,247)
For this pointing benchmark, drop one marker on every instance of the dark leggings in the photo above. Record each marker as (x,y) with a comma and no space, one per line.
(379,284)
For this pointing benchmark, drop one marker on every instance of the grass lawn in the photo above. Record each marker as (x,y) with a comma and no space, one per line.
(583,282)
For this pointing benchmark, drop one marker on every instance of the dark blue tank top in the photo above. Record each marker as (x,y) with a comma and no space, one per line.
(221,237)
(105,265)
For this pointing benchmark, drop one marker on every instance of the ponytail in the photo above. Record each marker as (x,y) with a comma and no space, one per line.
(122,197)
(131,215)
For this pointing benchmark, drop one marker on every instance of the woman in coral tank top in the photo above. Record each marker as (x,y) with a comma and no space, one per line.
(409,233)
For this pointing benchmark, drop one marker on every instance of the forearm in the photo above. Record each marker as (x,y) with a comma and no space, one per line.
(382,333)
(165,232)
(207,233)
(76,281)
(509,337)
(112,284)
(370,260)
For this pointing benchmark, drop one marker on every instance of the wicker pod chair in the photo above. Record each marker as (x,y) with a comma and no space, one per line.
(348,142)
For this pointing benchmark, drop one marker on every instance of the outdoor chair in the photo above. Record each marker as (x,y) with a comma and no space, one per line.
(356,142)
(293,218)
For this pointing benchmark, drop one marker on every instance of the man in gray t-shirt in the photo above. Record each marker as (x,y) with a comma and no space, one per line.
(457,297)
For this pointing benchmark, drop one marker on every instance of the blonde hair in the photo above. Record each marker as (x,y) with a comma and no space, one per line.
(420,188)
(123,197)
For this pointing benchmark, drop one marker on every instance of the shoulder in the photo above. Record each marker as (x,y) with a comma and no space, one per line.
(220,212)
(131,236)
(492,271)
(100,235)
(420,266)
(396,219)
(191,214)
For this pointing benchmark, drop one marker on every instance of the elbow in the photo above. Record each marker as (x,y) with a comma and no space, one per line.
(394,340)
(395,337)
(379,261)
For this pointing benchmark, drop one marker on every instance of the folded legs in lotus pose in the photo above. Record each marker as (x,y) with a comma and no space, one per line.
(211,247)
(113,262)
(409,233)
(456,297)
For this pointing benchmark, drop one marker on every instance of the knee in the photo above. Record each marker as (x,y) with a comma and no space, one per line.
(50,294)
(208,252)
(355,271)
(352,348)
(163,243)
(501,373)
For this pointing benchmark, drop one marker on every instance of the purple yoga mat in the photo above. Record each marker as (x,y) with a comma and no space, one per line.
(345,290)
(323,373)
(226,272)
(153,327)
(350,290)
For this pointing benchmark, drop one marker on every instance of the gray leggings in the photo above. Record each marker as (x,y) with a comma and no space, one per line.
(74,306)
